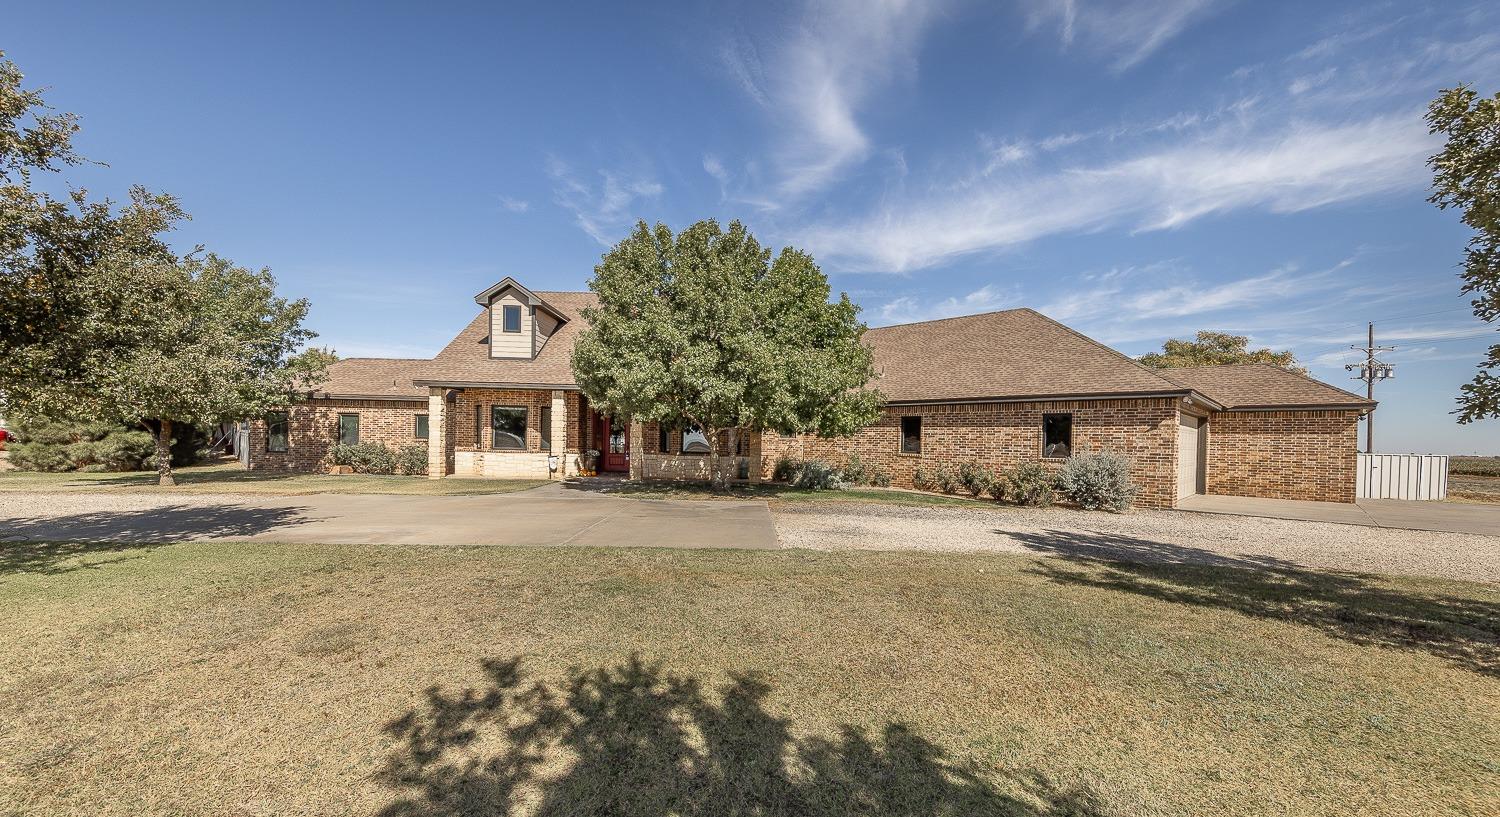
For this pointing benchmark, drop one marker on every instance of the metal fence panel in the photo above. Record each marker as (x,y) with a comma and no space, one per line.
(1402,476)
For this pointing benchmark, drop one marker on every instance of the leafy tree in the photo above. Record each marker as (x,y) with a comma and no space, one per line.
(704,326)
(103,322)
(1217,349)
(1466,175)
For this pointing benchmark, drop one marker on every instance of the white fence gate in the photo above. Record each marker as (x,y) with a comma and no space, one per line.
(1402,476)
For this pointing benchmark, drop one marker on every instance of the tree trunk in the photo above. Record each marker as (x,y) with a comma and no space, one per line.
(715,475)
(164,453)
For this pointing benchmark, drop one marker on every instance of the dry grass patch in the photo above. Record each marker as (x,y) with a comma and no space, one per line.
(265,679)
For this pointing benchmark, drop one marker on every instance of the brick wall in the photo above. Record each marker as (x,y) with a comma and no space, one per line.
(474,456)
(1001,435)
(1283,454)
(313,426)
(533,400)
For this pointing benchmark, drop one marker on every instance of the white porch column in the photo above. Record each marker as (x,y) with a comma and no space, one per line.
(559,441)
(437,433)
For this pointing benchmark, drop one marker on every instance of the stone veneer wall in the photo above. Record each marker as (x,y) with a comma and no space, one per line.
(1000,435)
(672,464)
(313,427)
(472,456)
(1283,454)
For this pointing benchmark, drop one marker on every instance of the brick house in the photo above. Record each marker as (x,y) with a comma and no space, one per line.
(998,388)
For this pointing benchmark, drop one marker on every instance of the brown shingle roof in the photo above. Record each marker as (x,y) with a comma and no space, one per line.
(372,377)
(1007,355)
(466,359)
(1261,385)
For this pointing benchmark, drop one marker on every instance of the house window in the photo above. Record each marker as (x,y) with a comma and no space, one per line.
(348,429)
(510,319)
(546,429)
(478,425)
(421,430)
(911,435)
(276,432)
(508,428)
(1057,435)
(661,438)
(742,443)
(694,441)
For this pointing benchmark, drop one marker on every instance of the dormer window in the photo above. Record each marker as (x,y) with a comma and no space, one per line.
(511,317)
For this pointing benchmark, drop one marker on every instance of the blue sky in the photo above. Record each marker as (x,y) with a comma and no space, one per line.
(1136,170)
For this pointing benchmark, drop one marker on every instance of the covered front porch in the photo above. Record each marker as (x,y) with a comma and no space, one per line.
(538,433)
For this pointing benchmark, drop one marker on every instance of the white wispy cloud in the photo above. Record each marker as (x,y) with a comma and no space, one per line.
(604,210)
(1302,166)
(912,308)
(1165,299)
(1125,32)
(515,205)
(815,80)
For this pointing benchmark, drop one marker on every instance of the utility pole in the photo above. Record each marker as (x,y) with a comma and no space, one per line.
(1370,371)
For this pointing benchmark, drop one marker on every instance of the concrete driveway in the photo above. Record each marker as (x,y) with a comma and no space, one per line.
(1451,517)
(550,515)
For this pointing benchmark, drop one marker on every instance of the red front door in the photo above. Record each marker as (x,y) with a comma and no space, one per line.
(614,443)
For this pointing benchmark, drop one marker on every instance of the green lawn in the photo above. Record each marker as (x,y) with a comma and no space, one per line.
(231,478)
(270,679)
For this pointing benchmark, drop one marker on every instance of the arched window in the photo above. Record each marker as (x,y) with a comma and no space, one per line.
(694,441)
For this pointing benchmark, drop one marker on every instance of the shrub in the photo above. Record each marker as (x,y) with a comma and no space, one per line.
(860,472)
(1098,481)
(81,453)
(786,465)
(923,479)
(364,458)
(125,451)
(46,445)
(39,457)
(975,478)
(947,479)
(411,460)
(817,475)
(1029,483)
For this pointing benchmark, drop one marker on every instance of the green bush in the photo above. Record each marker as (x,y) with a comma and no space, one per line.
(923,479)
(39,457)
(411,460)
(817,475)
(1098,481)
(947,479)
(126,451)
(859,472)
(974,478)
(1029,483)
(49,445)
(364,458)
(786,465)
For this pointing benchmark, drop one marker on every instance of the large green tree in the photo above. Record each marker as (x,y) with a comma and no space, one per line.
(1466,175)
(1217,349)
(705,327)
(102,321)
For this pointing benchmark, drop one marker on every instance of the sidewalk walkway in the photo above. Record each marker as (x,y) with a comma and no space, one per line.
(1452,517)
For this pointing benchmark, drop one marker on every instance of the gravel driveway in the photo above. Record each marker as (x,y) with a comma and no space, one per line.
(1157,536)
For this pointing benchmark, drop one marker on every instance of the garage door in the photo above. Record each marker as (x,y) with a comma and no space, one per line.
(1189,456)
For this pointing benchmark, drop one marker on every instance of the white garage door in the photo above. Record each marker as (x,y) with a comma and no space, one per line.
(1189,456)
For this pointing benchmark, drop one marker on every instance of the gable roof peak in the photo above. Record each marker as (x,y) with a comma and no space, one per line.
(530,298)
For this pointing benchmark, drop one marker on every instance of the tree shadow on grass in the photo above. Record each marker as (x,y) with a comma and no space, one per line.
(48,544)
(634,741)
(1354,607)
